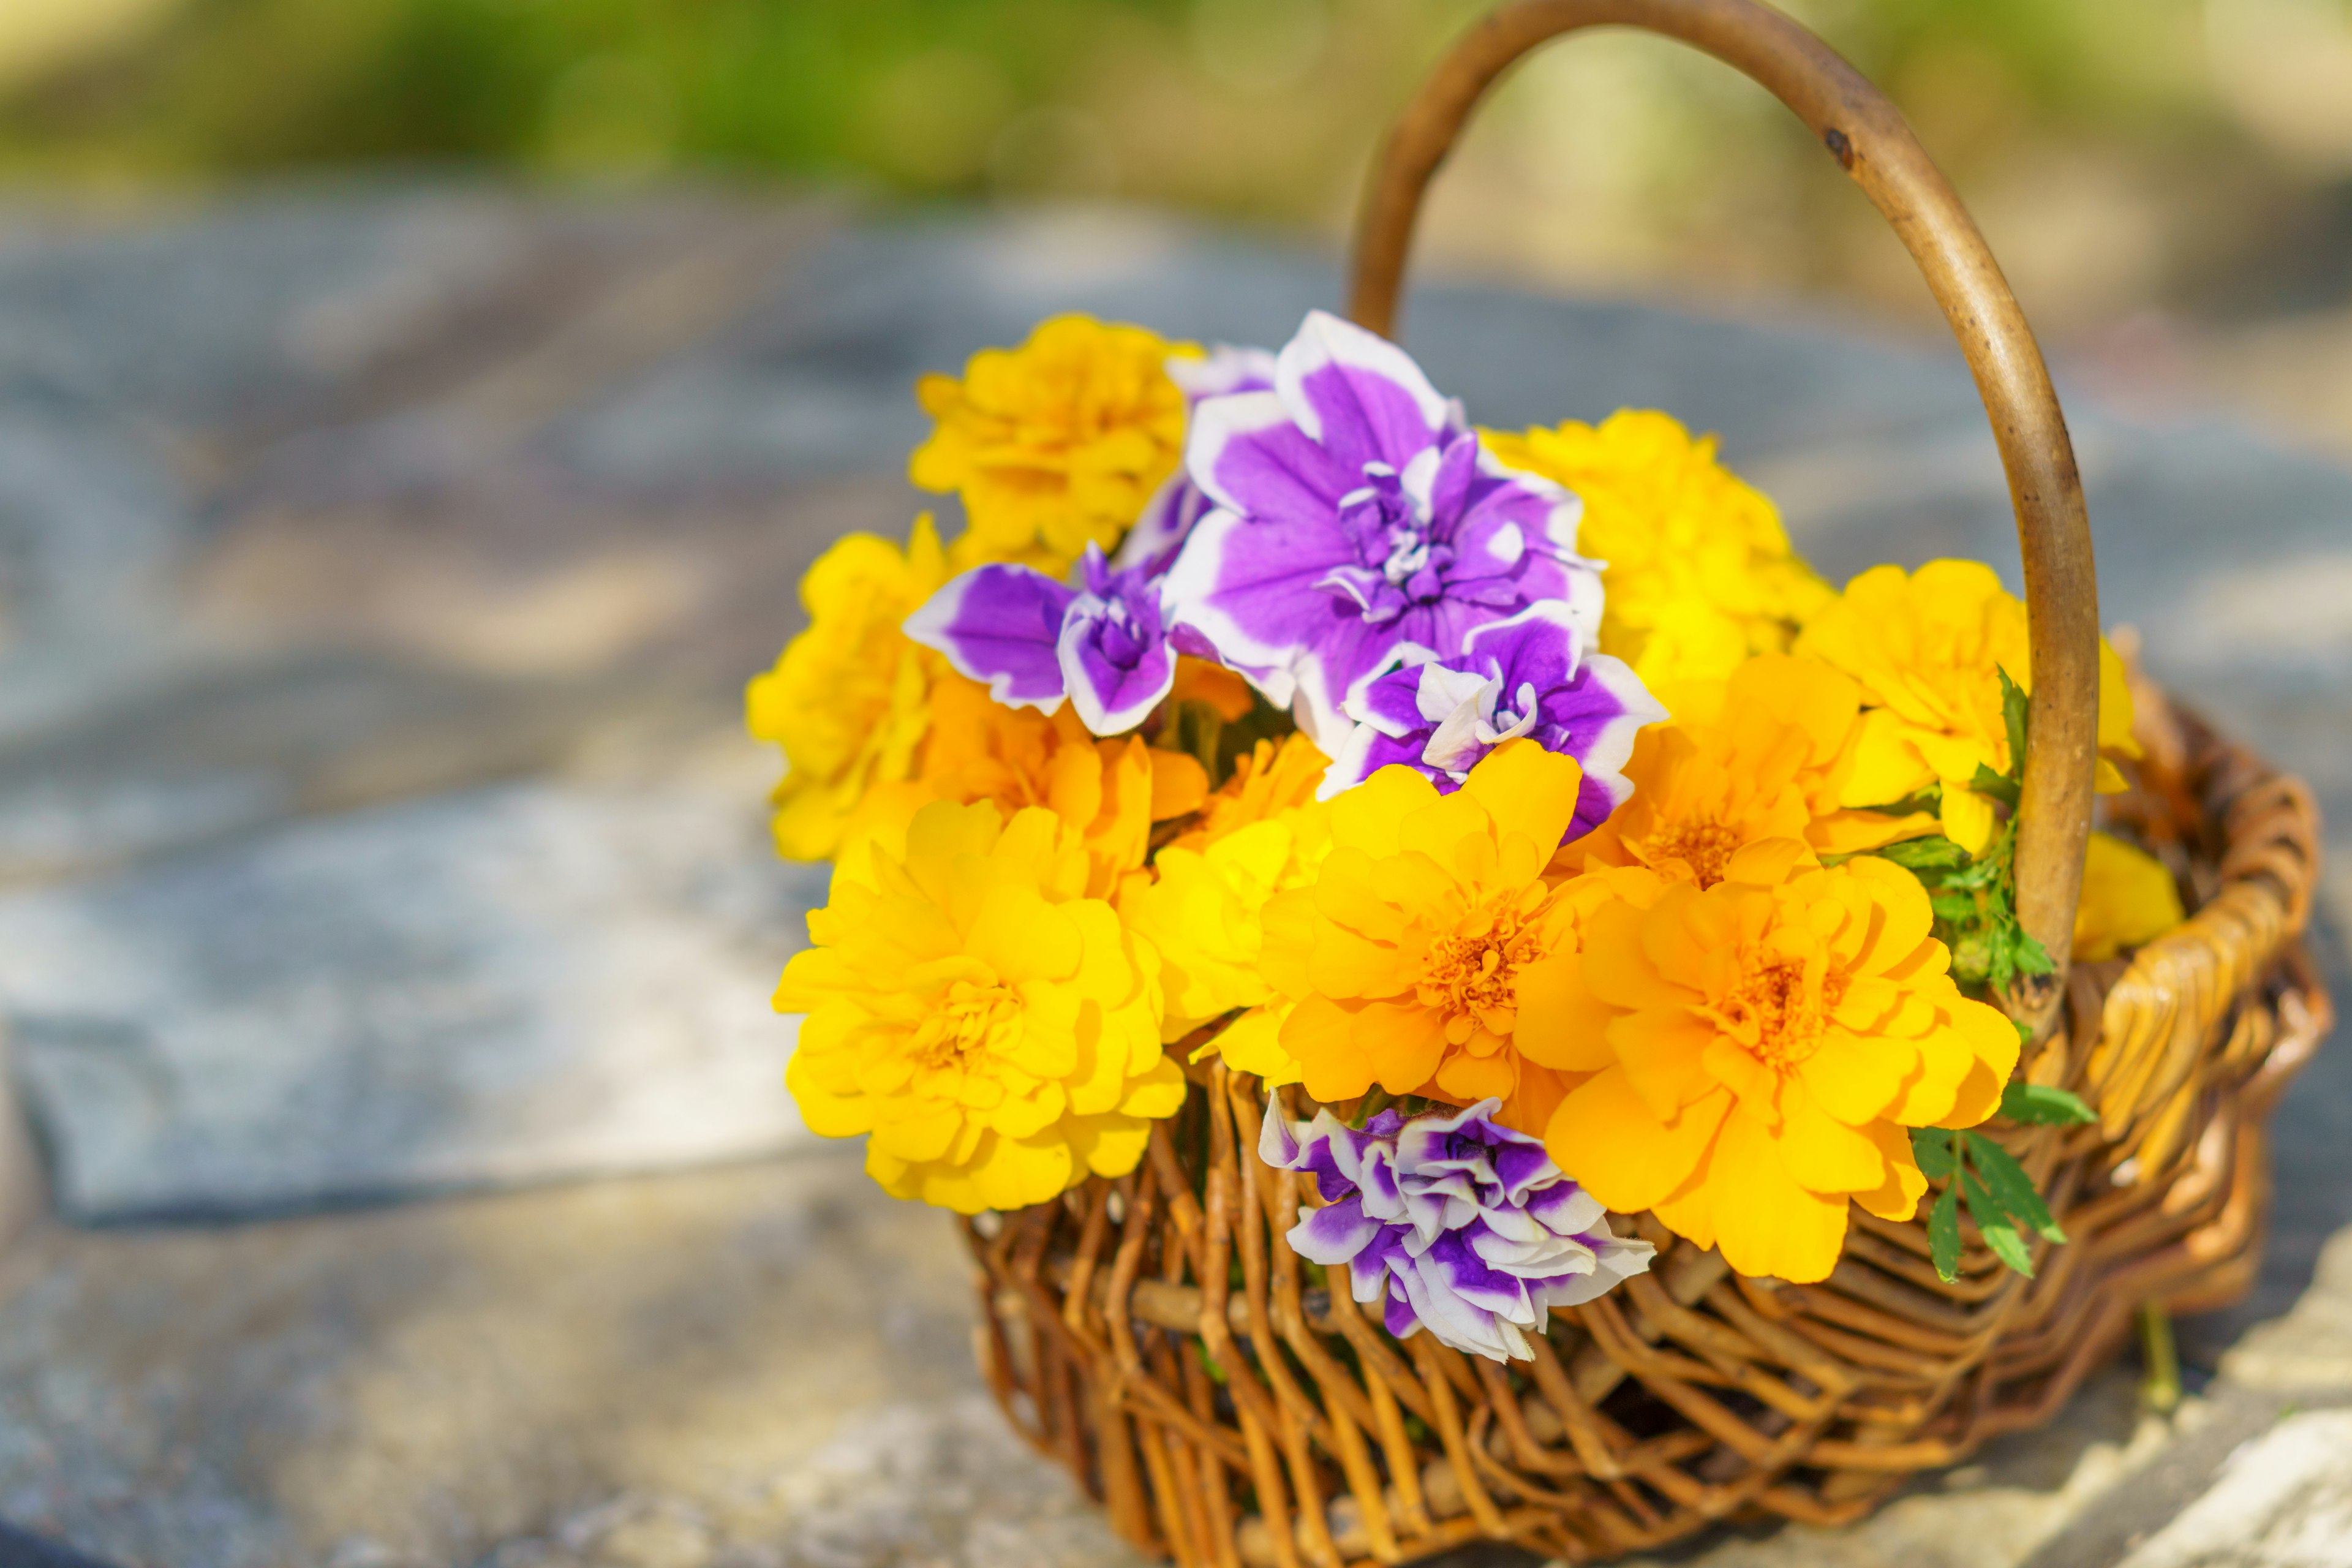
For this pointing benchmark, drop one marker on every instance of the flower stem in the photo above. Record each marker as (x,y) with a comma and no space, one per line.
(2160,1390)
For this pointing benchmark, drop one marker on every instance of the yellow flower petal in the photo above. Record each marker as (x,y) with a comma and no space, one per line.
(1767,1222)
(1608,1139)
(2129,899)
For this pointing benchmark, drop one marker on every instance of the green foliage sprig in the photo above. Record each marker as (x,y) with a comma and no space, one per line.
(1975,897)
(1999,1194)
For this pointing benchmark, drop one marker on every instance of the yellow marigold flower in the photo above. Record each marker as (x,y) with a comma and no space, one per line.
(1927,649)
(1055,443)
(849,698)
(2129,899)
(1762,755)
(1425,954)
(995,1031)
(1201,902)
(1700,571)
(975,748)
(1759,1049)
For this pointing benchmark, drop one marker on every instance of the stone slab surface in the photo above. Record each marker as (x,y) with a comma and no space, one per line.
(763,1367)
(519,981)
(2284,1497)
(379,570)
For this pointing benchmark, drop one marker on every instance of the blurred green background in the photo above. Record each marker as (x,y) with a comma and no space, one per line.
(2139,163)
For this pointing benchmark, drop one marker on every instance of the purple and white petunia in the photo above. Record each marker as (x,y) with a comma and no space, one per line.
(1467,1227)
(1169,516)
(1355,514)
(1520,677)
(1034,641)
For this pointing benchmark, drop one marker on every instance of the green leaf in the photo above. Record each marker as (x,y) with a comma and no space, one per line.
(1933,853)
(1944,1236)
(1994,786)
(1952,907)
(1994,1224)
(1929,800)
(1931,1147)
(2045,1105)
(2013,710)
(2010,1186)
(2032,957)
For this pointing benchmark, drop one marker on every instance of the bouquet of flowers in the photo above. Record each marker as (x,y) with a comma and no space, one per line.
(1519,808)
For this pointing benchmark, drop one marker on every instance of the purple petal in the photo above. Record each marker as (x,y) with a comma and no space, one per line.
(1248,591)
(1357,395)
(1518,1166)
(1454,1320)
(1334,1233)
(1454,1260)
(1114,652)
(1565,1208)
(1399,1317)
(1000,625)
(1277,1143)
(1377,1177)
(1247,445)
(1614,1263)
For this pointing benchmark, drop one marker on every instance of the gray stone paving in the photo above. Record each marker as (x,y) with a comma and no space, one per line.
(379,568)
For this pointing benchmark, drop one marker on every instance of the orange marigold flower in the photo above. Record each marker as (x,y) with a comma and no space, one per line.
(1759,1049)
(977,749)
(1762,755)
(1055,443)
(1426,954)
(1929,648)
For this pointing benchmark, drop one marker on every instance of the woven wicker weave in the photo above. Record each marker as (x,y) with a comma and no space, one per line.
(1231,1406)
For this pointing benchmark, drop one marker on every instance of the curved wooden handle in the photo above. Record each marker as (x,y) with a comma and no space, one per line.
(1870,141)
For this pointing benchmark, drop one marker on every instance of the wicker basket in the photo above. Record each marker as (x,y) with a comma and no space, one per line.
(1232,1406)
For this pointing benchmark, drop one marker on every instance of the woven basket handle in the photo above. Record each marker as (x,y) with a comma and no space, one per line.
(1870,141)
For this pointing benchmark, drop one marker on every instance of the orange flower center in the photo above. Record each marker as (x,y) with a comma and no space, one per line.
(1703,844)
(1777,1008)
(967,1023)
(1471,974)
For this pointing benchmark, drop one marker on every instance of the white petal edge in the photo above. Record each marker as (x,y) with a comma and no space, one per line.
(1325,340)
(929,625)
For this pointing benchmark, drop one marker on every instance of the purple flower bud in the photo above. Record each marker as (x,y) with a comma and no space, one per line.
(1465,1226)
